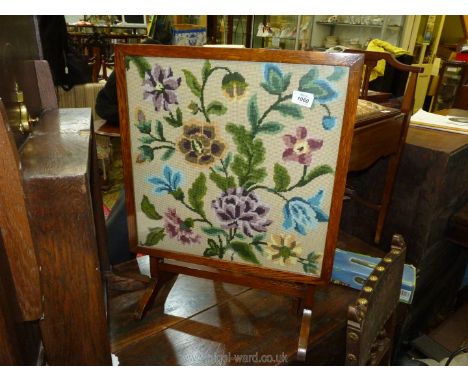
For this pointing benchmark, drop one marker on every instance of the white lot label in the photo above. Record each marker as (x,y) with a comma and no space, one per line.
(302,98)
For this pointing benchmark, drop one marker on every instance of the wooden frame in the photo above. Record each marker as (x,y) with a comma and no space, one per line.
(276,280)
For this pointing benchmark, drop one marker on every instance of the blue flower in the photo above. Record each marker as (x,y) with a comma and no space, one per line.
(328,122)
(275,81)
(303,215)
(322,91)
(168,183)
(271,70)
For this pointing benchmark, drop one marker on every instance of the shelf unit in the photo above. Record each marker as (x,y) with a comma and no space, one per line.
(390,28)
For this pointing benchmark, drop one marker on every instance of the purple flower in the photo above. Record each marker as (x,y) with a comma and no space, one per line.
(160,85)
(298,148)
(180,229)
(239,208)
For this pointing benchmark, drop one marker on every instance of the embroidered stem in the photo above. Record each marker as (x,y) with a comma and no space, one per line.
(271,190)
(268,111)
(162,147)
(202,96)
(301,181)
(326,108)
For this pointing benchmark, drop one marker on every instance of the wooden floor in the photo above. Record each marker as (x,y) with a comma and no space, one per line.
(210,323)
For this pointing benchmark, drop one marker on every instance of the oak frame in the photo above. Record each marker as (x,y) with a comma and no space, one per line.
(353,61)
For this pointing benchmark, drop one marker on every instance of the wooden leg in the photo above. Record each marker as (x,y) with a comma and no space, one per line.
(160,285)
(387,196)
(305,324)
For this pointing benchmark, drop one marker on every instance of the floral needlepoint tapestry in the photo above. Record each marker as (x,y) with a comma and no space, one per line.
(228,164)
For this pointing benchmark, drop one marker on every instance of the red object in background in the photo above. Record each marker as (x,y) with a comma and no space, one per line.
(461,57)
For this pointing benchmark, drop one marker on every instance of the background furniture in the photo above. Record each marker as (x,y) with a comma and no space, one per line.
(372,317)
(59,302)
(431,185)
(381,133)
(452,88)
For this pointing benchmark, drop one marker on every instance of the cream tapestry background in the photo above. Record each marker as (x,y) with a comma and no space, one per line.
(226,166)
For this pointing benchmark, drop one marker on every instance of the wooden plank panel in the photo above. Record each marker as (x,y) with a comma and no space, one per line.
(15,227)
(56,179)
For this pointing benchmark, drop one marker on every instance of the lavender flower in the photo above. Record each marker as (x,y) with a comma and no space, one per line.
(239,208)
(160,85)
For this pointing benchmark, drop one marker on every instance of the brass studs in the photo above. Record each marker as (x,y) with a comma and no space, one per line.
(368,289)
(380,268)
(353,336)
(351,357)
(362,301)
(373,278)
(387,259)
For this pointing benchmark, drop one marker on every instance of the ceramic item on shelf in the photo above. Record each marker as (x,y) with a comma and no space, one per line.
(332,19)
(378,20)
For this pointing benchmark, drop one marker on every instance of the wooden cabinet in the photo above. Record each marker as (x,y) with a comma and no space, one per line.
(451,89)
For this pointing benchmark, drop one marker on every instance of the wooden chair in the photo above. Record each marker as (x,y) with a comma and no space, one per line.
(381,133)
(192,152)
(371,318)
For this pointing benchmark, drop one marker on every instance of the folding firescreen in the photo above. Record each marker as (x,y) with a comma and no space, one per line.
(236,159)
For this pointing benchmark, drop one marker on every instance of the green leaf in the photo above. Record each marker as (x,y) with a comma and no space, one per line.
(310,268)
(257,175)
(281,177)
(192,83)
(141,64)
(307,80)
(258,238)
(286,81)
(321,90)
(147,139)
(258,247)
(197,192)
(144,127)
(312,257)
(213,231)
(154,237)
(314,173)
(252,111)
(178,194)
(179,116)
(251,154)
(147,152)
(338,72)
(269,89)
(177,121)
(216,108)
(244,251)
(206,70)
(148,209)
(271,127)
(222,182)
(289,110)
(213,250)
(159,130)
(274,79)
(168,154)
(227,160)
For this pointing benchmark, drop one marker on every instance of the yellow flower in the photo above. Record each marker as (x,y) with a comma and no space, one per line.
(283,249)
